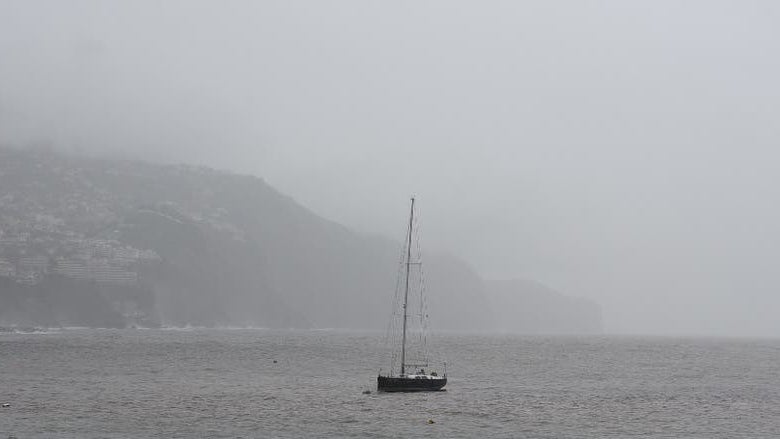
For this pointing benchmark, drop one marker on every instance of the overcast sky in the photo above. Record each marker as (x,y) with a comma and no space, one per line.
(625,151)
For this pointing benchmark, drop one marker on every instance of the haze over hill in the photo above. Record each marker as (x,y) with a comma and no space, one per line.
(621,151)
(90,242)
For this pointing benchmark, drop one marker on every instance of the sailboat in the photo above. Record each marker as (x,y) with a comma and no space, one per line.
(413,376)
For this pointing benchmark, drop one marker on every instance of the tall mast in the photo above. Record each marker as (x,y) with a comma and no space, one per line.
(406,289)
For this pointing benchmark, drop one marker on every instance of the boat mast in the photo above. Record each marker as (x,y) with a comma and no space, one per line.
(406,289)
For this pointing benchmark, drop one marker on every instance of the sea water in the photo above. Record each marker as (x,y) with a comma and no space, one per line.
(197,383)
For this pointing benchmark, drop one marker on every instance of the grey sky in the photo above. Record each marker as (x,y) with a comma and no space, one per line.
(624,151)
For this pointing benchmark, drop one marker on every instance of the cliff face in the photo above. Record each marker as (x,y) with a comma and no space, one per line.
(89,242)
(61,301)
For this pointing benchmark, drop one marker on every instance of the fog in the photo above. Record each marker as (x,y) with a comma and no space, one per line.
(620,151)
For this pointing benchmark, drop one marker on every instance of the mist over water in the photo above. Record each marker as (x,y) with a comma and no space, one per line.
(621,152)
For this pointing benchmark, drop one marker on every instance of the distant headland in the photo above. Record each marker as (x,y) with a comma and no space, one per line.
(117,243)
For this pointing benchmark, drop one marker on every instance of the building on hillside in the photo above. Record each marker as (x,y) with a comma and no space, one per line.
(37,263)
(126,255)
(74,268)
(7,269)
(28,277)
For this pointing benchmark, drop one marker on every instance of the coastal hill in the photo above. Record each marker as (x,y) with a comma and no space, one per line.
(528,307)
(114,243)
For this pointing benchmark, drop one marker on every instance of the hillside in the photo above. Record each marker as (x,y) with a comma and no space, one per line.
(142,244)
(213,247)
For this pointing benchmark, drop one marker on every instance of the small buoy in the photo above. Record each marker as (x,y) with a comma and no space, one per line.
(5,404)
(274,361)
(431,421)
(366,392)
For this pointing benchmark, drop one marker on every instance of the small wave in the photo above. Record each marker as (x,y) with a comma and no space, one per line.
(242,328)
(212,328)
(27,330)
(181,328)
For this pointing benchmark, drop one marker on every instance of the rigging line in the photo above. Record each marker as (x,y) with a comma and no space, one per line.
(392,327)
(424,320)
(422,351)
(396,294)
(406,285)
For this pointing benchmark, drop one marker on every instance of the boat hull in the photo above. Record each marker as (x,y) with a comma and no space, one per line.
(406,384)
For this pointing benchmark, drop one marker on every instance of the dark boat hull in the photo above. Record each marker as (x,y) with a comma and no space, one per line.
(404,384)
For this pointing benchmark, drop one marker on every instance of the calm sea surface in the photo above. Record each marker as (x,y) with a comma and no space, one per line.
(224,383)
